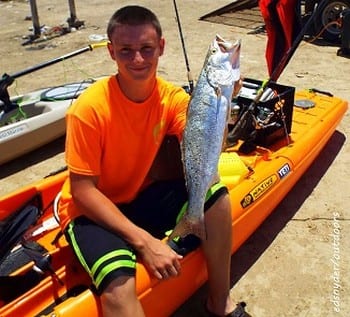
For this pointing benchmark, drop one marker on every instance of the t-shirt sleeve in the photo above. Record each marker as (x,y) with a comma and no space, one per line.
(83,146)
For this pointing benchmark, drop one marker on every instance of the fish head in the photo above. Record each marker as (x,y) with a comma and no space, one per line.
(222,63)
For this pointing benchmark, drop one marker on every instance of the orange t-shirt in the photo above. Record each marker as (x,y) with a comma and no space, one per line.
(117,139)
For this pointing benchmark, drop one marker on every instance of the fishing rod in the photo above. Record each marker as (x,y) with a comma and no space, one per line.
(189,74)
(244,120)
(7,80)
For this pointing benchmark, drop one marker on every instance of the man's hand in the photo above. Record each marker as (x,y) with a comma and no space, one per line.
(160,259)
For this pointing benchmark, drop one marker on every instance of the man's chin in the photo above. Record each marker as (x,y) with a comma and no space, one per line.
(141,76)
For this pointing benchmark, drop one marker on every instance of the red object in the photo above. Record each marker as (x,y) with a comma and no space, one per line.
(282,25)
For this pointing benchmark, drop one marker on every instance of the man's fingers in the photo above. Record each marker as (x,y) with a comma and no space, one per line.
(158,275)
(170,271)
(173,271)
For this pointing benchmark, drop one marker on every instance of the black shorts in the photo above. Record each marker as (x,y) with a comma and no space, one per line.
(105,255)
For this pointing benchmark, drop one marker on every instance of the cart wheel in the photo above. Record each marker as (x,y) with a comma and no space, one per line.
(331,13)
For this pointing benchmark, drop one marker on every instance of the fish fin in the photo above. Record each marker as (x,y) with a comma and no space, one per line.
(188,225)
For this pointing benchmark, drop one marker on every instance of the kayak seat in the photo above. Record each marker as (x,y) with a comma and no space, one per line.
(15,252)
(12,286)
(17,223)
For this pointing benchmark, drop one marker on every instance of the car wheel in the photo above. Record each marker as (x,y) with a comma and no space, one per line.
(329,14)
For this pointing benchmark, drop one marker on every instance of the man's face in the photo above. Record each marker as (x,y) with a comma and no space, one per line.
(136,49)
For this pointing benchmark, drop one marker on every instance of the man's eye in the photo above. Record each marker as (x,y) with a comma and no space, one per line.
(147,49)
(125,51)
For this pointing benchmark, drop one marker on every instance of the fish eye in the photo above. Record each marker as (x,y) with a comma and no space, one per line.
(214,50)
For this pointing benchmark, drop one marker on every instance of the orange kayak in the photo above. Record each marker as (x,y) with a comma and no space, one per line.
(257,183)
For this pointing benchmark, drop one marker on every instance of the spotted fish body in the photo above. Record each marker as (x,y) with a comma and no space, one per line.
(204,131)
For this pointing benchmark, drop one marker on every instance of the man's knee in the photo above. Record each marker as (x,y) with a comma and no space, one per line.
(119,292)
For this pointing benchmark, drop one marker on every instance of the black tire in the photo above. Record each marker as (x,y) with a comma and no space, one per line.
(330,13)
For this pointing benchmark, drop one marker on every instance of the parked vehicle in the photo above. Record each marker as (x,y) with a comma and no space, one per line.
(328,22)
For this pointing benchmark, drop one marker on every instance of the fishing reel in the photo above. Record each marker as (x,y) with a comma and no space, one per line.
(248,126)
(245,130)
(263,118)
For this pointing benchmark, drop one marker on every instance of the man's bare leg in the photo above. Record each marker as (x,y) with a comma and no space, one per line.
(217,249)
(120,299)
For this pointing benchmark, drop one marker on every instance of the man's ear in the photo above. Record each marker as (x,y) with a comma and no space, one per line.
(161,46)
(110,50)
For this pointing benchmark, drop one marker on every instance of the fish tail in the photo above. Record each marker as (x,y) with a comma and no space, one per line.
(188,225)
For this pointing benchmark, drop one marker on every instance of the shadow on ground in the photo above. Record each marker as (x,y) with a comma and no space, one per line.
(32,158)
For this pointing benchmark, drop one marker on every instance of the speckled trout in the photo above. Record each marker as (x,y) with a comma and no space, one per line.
(204,132)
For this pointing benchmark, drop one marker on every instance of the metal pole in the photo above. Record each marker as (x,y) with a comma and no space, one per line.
(73,13)
(35,18)
(73,21)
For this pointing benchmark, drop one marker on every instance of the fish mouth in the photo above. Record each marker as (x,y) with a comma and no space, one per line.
(233,51)
(223,44)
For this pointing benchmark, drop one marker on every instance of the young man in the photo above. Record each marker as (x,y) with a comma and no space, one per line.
(111,209)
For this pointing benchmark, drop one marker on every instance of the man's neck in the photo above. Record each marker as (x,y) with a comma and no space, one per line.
(137,91)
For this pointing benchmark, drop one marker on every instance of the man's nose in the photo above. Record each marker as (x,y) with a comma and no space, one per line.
(138,56)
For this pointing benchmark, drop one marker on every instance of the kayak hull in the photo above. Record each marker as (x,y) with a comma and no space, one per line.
(254,193)
(39,119)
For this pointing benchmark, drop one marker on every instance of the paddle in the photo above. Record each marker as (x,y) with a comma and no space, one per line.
(245,119)
(6,80)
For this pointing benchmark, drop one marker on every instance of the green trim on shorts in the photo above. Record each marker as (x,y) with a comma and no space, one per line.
(111,267)
(116,264)
(212,190)
(76,247)
(111,255)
